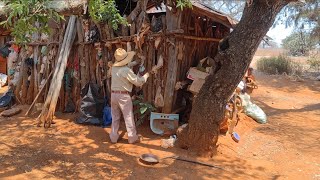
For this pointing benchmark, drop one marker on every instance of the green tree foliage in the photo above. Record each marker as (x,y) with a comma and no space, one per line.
(106,11)
(181,4)
(299,43)
(304,15)
(25,17)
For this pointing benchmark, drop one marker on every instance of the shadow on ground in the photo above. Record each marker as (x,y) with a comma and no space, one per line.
(68,150)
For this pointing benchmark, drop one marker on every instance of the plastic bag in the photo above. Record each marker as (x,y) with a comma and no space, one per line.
(245,99)
(256,113)
(252,110)
(167,143)
(7,100)
(107,116)
(3,79)
(92,104)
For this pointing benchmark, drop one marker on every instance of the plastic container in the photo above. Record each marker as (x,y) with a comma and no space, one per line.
(235,136)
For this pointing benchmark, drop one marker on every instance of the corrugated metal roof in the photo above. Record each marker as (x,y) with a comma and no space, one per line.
(214,14)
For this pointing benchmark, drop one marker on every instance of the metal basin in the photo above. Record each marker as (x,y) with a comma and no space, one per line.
(149,159)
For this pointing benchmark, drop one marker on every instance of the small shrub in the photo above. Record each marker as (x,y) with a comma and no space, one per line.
(314,63)
(143,109)
(279,65)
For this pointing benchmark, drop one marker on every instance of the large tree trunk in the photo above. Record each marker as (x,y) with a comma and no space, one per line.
(232,59)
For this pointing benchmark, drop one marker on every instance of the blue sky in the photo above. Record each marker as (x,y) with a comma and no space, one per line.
(279,32)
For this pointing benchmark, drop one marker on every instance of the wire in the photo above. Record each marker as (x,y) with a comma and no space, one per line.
(128,1)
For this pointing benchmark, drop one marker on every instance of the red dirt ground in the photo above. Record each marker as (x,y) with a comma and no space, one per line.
(285,148)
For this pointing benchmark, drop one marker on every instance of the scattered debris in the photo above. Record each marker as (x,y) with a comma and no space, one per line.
(235,136)
(253,110)
(198,78)
(168,143)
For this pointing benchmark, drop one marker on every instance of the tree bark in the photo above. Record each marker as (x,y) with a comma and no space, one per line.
(202,132)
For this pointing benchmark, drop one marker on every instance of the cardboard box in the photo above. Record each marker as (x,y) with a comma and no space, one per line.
(196,74)
(198,78)
(196,85)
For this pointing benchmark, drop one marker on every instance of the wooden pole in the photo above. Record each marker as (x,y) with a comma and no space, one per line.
(80,52)
(173,22)
(35,71)
(47,113)
(197,38)
(38,95)
(177,33)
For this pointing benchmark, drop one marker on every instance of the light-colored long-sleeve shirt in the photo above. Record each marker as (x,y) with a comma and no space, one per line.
(123,78)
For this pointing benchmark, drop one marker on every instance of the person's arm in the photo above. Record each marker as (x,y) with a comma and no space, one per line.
(133,78)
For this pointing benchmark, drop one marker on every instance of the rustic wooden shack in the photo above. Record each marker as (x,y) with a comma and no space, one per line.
(4,37)
(172,39)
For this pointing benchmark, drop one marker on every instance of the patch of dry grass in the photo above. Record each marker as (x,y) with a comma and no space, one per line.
(279,65)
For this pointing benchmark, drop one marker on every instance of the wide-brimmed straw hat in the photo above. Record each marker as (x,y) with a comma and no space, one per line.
(123,57)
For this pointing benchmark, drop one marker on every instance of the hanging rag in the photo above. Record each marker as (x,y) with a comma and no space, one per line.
(157,42)
(159,102)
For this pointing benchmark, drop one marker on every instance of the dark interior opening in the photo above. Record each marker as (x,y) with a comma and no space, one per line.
(125,6)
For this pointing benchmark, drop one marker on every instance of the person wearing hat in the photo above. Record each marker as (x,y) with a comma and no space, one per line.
(122,81)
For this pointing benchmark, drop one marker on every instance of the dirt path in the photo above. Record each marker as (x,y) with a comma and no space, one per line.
(285,148)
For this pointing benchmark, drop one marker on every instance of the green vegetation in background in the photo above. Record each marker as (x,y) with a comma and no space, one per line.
(26,17)
(106,11)
(299,43)
(279,65)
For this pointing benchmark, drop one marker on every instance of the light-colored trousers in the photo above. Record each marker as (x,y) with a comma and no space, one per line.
(122,103)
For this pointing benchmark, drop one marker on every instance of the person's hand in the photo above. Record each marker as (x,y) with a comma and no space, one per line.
(133,63)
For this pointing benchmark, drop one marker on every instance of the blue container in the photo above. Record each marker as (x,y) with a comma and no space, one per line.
(235,136)
(107,117)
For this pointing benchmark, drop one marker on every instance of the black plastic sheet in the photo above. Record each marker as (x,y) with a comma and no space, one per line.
(91,106)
